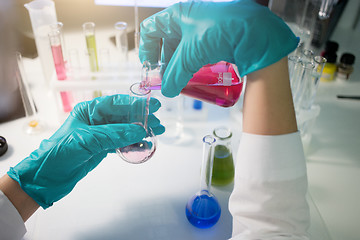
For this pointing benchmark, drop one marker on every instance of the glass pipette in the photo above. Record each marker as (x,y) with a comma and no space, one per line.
(33,124)
(203,209)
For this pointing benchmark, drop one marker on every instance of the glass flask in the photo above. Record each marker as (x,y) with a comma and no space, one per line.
(142,151)
(223,167)
(217,83)
(203,209)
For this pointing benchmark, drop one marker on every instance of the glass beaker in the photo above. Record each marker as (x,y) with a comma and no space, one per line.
(139,103)
(121,41)
(203,209)
(223,167)
(42,15)
(217,83)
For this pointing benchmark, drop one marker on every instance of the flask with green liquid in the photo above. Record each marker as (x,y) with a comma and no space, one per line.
(223,168)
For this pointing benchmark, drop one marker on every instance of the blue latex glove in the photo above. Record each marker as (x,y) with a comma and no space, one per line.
(92,130)
(198,33)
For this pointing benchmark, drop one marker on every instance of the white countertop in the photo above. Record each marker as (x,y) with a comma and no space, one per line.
(124,201)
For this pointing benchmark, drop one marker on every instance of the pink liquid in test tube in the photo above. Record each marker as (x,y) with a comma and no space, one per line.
(60,69)
(59,62)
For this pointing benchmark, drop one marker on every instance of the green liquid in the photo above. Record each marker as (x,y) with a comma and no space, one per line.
(91,46)
(223,168)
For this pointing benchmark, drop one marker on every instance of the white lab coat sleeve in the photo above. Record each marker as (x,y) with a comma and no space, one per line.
(269,196)
(12,226)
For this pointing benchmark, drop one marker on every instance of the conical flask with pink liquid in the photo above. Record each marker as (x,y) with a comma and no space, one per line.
(217,83)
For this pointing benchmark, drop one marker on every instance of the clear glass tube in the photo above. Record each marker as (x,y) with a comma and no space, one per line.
(57,53)
(59,26)
(139,103)
(203,209)
(326,8)
(104,59)
(121,41)
(74,60)
(33,123)
(304,93)
(89,32)
(312,81)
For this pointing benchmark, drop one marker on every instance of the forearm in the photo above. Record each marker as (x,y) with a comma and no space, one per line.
(270,177)
(25,205)
(268,106)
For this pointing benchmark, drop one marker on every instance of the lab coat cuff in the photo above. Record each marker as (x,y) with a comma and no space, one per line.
(11,224)
(268,158)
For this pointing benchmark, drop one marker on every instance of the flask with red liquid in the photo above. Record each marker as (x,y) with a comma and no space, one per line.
(217,83)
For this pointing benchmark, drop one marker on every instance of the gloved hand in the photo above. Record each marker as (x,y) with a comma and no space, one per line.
(198,33)
(92,130)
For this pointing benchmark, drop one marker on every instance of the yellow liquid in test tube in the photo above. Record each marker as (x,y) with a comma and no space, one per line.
(91,46)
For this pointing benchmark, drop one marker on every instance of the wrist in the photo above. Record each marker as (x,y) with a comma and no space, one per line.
(24,204)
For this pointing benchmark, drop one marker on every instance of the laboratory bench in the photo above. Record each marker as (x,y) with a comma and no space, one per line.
(118,200)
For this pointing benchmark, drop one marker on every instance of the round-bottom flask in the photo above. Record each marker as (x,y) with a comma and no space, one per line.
(141,151)
(203,209)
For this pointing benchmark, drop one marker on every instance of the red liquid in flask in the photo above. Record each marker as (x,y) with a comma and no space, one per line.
(216,83)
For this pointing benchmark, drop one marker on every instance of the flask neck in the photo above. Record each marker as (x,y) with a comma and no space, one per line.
(207,163)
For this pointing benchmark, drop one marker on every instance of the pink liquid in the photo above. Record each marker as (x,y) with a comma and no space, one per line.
(214,83)
(59,62)
(223,96)
(138,152)
(66,99)
(61,75)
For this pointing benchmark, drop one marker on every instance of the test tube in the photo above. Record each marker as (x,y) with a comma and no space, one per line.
(59,26)
(74,61)
(33,124)
(325,9)
(89,32)
(121,40)
(57,53)
(104,59)
(305,90)
(313,82)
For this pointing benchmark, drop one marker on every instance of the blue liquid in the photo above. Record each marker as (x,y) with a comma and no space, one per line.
(203,211)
